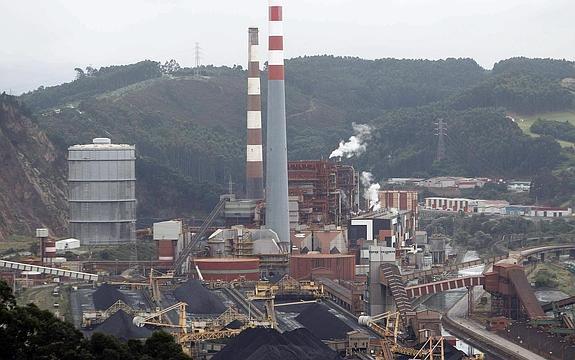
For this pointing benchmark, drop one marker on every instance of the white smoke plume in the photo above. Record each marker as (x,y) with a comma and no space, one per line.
(370,190)
(356,145)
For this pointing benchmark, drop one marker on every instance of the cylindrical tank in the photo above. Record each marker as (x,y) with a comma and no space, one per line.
(102,192)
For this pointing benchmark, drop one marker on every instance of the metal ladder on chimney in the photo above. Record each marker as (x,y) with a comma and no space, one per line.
(397,287)
(183,256)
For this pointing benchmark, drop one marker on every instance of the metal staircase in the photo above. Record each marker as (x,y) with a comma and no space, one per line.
(397,287)
(183,256)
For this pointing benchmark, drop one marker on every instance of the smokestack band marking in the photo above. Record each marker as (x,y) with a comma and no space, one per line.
(254,149)
(277,212)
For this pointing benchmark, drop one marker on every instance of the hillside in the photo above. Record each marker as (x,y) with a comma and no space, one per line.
(189,131)
(32,189)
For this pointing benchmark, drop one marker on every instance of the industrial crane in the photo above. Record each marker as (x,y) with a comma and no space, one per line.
(389,327)
(156,319)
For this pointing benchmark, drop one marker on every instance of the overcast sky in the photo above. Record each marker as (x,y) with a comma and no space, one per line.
(42,41)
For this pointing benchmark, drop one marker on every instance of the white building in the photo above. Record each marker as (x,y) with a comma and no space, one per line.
(519,186)
(490,207)
(448,204)
(549,212)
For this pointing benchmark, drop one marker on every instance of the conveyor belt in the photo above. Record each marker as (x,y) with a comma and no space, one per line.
(525,293)
(48,270)
(559,304)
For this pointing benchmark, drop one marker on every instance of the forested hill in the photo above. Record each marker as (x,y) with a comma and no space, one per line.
(193,127)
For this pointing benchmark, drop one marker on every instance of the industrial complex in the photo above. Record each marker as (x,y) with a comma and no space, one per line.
(295,257)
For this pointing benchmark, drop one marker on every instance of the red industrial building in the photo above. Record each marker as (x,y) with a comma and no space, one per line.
(229,269)
(326,191)
(314,265)
(399,199)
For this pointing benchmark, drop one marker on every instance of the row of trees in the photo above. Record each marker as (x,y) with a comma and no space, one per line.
(557,129)
(517,92)
(91,82)
(30,333)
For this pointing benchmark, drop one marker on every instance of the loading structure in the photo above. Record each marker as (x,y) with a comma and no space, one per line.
(511,292)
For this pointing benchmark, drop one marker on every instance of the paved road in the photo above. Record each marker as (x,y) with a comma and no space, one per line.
(459,310)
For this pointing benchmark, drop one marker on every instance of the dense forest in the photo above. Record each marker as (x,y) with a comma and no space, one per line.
(190,128)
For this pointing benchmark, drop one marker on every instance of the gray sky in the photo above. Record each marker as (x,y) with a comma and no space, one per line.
(43,40)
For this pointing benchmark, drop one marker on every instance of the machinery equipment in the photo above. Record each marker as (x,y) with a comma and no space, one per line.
(389,324)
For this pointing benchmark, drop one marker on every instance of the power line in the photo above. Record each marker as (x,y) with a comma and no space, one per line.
(198,59)
(441,132)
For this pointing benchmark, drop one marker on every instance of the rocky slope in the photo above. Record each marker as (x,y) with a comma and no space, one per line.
(32,180)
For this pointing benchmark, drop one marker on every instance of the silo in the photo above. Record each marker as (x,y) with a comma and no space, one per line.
(102,192)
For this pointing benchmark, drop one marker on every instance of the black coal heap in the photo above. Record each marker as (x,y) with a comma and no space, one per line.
(106,295)
(121,325)
(269,344)
(323,324)
(199,299)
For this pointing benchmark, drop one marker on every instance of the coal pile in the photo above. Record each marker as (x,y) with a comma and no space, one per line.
(323,324)
(106,295)
(199,299)
(121,326)
(234,324)
(269,344)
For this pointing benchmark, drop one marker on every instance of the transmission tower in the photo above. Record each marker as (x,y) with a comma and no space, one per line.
(198,58)
(441,133)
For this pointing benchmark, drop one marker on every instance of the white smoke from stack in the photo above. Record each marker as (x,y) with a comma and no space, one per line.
(356,145)
(370,190)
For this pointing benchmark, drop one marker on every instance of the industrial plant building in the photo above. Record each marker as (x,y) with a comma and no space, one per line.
(329,240)
(102,192)
(390,228)
(326,192)
(400,200)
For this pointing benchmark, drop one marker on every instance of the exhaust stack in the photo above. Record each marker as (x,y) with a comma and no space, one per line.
(254,152)
(277,213)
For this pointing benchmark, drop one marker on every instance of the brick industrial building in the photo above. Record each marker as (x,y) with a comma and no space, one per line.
(325,191)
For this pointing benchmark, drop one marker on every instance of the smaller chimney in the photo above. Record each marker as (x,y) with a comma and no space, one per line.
(254,151)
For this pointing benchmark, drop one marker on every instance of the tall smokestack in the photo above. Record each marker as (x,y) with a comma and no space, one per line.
(277,213)
(254,152)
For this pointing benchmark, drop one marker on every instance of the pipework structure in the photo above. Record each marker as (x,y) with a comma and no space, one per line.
(277,212)
(254,151)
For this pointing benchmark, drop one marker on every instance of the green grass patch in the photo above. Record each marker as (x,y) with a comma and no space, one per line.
(562,279)
(525,121)
(17,243)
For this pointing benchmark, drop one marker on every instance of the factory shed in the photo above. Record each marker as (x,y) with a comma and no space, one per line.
(67,244)
(332,266)
(229,269)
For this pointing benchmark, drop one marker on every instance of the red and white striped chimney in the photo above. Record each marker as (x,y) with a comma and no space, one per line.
(254,151)
(277,209)
(276,41)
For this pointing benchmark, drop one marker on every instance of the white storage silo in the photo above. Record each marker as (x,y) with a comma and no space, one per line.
(102,192)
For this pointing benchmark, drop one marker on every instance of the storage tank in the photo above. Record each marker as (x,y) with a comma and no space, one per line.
(102,192)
